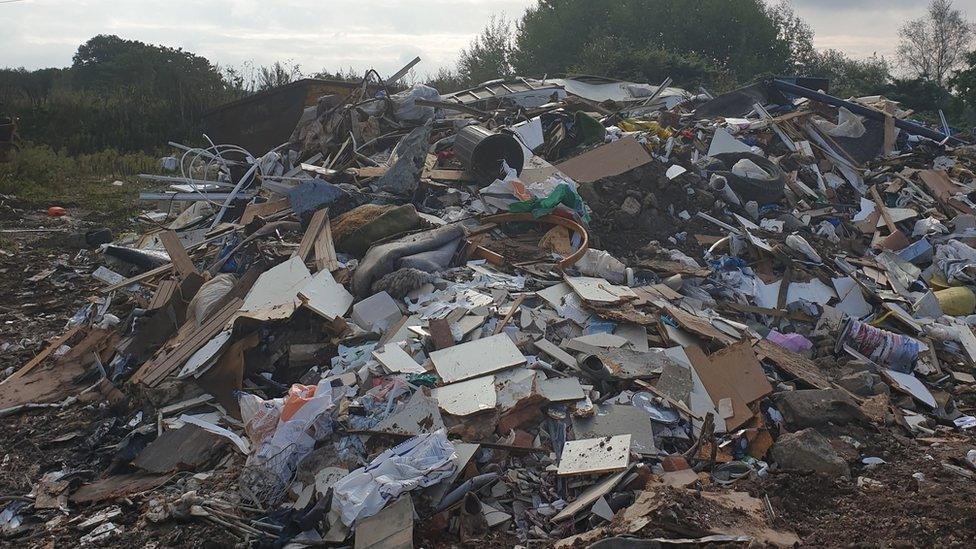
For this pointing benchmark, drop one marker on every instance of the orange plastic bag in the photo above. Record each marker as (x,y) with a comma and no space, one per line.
(298,396)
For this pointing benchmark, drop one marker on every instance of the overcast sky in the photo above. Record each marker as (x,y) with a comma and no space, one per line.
(332,34)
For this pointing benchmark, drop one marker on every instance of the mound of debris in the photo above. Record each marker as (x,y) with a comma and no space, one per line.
(522,315)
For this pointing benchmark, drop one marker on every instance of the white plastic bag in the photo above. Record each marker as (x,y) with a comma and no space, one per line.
(209,294)
(260,416)
(601,264)
(416,463)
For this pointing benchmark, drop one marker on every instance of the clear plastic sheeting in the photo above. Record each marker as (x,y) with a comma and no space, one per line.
(417,463)
(848,125)
(406,105)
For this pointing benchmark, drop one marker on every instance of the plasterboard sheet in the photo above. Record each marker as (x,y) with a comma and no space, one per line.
(814,291)
(397,361)
(595,455)
(476,358)
(635,334)
(275,293)
(851,299)
(602,340)
(553,295)
(699,401)
(618,419)
(511,386)
(419,415)
(555,352)
(467,397)
(598,290)
(325,296)
(912,385)
(561,389)
(723,142)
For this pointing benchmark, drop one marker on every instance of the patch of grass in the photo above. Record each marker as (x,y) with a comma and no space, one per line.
(41,177)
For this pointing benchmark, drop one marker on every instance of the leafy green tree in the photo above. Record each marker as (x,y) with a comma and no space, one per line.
(932,46)
(489,55)
(849,77)
(744,37)
(606,57)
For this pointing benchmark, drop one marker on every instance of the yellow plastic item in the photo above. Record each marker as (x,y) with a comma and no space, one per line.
(632,125)
(957,301)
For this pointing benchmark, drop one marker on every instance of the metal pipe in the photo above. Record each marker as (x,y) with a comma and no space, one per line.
(855,108)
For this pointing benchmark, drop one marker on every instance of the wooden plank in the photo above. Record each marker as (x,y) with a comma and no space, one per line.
(311,233)
(177,253)
(163,294)
(158,271)
(46,352)
(325,254)
(262,209)
(889,134)
(168,360)
(440,333)
(118,486)
(796,365)
(435,174)
(511,312)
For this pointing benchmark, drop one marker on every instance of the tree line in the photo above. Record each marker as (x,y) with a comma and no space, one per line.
(130,96)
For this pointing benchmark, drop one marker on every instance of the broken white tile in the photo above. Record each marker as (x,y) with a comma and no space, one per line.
(851,299)
(635,334)
(723,142)
(814,291)
(200,361)
(912,385)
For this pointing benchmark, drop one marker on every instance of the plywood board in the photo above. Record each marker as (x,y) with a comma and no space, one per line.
(739,364)
(177,253)
(595,455)
(476,358)
(722,387)
(793,364)
(611,159)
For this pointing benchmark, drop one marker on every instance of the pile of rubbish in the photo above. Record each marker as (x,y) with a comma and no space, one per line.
(537,311)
